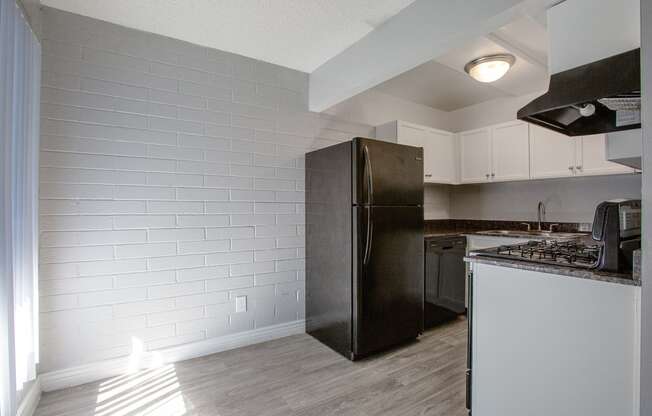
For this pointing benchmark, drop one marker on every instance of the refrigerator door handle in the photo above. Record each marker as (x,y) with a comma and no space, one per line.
(370,176)
(368,170)
(370,236)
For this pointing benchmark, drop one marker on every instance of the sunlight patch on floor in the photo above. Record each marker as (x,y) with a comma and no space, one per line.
(154,391)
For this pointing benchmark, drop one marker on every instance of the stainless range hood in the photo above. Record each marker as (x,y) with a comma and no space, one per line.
(599,97)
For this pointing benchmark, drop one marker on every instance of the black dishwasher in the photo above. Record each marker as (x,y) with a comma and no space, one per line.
(445,280)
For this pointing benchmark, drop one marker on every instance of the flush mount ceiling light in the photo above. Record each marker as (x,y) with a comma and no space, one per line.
(490,68)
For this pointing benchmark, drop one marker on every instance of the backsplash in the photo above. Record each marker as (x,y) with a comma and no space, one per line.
(567,200)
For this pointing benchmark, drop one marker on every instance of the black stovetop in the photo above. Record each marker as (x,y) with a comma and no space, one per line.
(572,253)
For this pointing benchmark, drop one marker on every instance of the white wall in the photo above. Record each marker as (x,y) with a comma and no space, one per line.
(375,108)
(437,202)
(574,40)
(172,180)
(567,200)
(490,112)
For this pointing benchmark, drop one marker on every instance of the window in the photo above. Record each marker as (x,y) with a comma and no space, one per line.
(20,55)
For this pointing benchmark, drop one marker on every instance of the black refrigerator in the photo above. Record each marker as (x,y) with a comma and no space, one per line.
(364,245)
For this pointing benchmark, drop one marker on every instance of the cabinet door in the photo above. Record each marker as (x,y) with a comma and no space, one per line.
(475,155)
(414,135)
(440,157)
(592,160)
(510,151)
(410,134)
(552,155)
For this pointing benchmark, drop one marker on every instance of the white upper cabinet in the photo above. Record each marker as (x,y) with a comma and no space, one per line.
(552,155)
(510,152)
(440,157)
(496,153)
(555,155)
(475,156)
(411,135)
(591,158)
(439,148)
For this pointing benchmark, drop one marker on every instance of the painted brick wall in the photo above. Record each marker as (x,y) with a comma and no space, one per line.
(171,181)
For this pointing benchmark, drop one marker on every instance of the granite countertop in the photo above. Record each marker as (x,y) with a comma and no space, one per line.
(490,233)
(458,233)
(460,227)
(620,278)
(446,233)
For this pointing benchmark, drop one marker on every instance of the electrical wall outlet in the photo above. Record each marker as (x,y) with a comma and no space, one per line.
(241,304)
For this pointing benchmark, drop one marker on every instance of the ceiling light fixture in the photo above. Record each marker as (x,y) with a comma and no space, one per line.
(490,68)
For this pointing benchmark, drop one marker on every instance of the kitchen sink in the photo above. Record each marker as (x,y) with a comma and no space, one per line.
(531,233)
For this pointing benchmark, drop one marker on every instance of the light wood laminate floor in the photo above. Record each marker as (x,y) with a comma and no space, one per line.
(293,376)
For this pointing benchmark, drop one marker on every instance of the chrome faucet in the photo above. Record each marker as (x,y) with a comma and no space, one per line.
(541,214)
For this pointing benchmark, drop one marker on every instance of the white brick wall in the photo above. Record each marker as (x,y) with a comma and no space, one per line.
(171,181)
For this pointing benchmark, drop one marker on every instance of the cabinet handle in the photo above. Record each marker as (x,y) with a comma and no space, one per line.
(578,168)
(487,175)
(570,168)
(428,176)
(493,175)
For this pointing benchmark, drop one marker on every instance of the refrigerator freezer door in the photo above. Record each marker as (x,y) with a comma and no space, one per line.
(386,173)
(388,281)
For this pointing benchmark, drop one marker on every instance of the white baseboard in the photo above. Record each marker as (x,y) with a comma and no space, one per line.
(30,400)
(75,376)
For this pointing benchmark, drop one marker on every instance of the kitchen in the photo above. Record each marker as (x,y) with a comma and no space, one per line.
(229,211)
(513,208)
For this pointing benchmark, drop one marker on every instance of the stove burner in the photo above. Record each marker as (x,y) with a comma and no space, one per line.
(573,253)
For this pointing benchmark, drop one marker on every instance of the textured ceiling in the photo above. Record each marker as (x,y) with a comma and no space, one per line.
(300,34)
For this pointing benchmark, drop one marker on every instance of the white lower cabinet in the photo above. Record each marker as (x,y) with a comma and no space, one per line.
(480,242)
(546,344)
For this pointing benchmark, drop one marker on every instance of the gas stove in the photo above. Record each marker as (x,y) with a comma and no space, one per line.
(573,253)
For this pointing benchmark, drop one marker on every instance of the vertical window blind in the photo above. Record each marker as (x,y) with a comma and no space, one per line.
(20,69)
